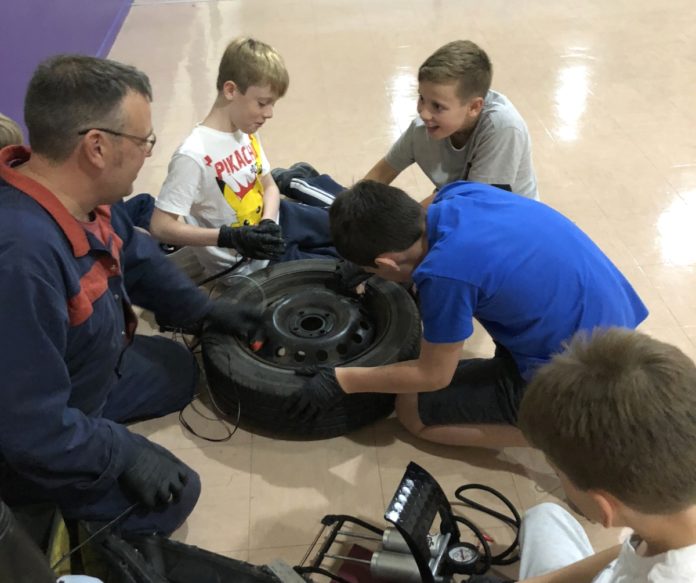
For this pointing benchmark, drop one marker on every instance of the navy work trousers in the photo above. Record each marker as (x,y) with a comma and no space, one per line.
(158,376)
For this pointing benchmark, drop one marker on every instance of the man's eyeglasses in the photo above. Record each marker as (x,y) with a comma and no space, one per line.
(148,142)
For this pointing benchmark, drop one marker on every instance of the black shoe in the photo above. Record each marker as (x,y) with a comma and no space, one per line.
(283,176)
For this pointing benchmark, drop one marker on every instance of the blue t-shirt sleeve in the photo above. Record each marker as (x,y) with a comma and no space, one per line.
(447,309)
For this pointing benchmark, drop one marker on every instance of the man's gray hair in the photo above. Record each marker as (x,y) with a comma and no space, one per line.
(71,93)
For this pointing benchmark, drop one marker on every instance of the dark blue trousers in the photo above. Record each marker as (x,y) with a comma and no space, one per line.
(306,232)
(305,224)
(158,377)
(319,191)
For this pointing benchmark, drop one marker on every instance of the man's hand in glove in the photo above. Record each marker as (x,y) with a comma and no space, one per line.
(242,320)
(320,392)
(155,476)
(262,241)
(348,276)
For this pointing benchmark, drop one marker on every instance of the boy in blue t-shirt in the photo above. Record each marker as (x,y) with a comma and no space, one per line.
(529,275)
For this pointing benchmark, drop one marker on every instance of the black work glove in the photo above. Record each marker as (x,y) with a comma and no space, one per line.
(320,392)
(155,476)
(262,241)
(242,320)
(348,276)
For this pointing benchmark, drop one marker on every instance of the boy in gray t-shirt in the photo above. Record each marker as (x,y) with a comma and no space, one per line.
(464,131)
(497,150)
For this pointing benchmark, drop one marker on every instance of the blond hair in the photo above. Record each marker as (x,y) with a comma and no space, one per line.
(462,62)
(248,62)
(616,411)
(10,132)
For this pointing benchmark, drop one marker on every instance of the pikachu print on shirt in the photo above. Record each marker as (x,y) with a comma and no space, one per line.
(241,186)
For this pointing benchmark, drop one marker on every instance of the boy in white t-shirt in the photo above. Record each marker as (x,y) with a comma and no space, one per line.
(219,179)
(615,415)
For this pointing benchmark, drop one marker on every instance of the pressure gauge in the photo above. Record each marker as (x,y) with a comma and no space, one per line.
(462,558)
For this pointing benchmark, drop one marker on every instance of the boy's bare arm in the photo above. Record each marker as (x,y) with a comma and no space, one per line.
(581,572)
(271,198)
(431,371)
(382,172)
(167,227)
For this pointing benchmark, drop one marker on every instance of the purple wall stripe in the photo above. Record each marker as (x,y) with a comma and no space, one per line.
(32,30)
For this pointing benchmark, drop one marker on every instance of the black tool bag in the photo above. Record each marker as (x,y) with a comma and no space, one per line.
(21,560)
(154,559)
(37,531)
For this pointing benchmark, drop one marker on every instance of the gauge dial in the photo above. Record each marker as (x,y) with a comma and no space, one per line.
(462,557)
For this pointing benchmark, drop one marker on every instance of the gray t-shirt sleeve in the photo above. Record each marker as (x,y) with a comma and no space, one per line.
(401,155)
(498,157)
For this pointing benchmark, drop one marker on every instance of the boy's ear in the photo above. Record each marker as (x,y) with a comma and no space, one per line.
(230,89)
(608,506)
(387,261)
(476,105)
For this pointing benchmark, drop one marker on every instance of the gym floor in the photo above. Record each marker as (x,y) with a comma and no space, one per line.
(608,90)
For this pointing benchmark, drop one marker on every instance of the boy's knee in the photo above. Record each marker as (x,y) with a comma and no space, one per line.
(545,510)
(541,516)
(407,412)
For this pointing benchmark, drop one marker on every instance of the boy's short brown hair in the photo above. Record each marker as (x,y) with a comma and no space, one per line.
(248,62)
(617,412)
(10,132)
(462,62)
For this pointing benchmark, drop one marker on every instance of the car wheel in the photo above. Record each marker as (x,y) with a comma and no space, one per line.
(309,323)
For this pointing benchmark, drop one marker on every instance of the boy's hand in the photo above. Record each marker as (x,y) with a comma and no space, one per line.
(348,276)
(271,227)
(320,392)
(262,241)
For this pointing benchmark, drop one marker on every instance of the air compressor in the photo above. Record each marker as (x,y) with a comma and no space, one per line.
(406,550)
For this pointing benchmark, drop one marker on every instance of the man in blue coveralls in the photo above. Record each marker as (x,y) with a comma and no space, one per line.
(71,266)
(525,272)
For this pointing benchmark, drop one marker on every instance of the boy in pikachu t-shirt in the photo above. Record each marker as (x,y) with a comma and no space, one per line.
(219,179)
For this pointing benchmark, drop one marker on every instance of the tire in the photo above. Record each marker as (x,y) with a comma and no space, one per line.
(309,323)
